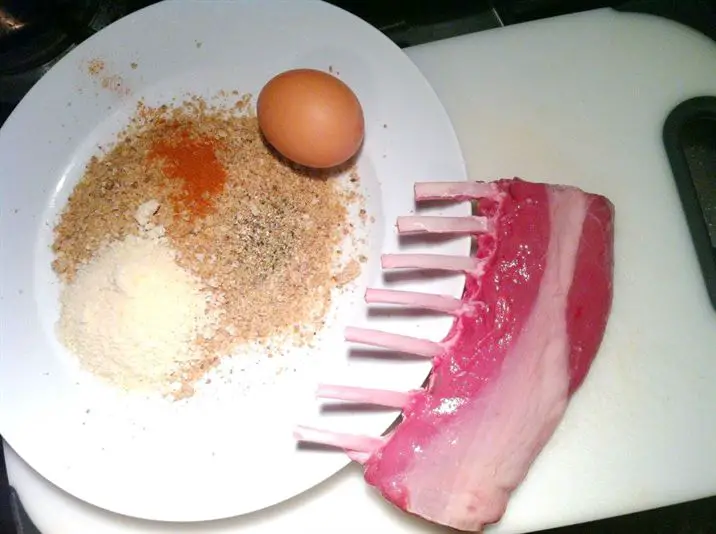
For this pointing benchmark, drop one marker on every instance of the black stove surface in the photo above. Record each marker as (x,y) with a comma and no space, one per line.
(35,34)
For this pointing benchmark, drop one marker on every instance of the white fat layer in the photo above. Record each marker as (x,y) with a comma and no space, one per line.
(485,454)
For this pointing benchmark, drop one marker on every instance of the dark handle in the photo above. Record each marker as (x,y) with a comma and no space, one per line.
(690,142)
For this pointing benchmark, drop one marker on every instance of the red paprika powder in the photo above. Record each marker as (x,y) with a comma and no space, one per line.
(193,162)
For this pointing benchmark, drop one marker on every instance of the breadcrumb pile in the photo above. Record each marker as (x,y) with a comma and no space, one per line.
(265,250)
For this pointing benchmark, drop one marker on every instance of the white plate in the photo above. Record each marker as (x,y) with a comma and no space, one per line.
(228,450)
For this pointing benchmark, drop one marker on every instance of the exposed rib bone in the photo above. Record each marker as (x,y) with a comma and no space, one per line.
(420,224)
(380,397)
(414,299)
(396,342)
(452,190)
(430,261)
(352,442)
(360,457)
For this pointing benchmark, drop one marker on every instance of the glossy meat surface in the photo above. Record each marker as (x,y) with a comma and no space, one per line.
(537,311)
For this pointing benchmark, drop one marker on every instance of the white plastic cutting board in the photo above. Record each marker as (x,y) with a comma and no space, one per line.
(580,99)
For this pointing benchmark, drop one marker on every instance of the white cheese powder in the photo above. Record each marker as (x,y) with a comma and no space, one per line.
(132,314)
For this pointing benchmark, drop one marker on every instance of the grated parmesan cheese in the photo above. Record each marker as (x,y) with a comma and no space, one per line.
(132,315)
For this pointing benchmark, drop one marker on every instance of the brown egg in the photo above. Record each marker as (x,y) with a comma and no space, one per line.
(311,118)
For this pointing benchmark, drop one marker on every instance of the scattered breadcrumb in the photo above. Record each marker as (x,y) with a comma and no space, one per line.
(97,69)
(95,66)
(115,83)
(349,273)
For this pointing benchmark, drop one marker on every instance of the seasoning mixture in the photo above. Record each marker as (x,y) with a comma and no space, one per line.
(132,312)
(190,207)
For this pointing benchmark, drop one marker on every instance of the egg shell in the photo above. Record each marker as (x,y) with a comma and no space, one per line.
(311,117)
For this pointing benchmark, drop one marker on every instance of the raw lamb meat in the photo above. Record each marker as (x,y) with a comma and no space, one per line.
(537,297)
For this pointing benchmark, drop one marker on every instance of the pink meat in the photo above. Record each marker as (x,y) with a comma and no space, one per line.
(533,313)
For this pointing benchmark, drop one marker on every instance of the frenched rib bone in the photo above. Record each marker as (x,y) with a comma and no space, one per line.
(430,261)
(425,224)
(440,303)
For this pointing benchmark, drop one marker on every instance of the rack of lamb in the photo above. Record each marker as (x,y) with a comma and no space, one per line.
(537,297)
